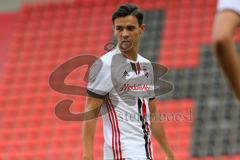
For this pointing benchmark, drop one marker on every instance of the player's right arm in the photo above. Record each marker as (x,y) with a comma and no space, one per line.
(99,85)
(224,47)
(92,109)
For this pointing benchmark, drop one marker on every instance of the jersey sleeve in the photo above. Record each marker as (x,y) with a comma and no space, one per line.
(99,80)
(233,5)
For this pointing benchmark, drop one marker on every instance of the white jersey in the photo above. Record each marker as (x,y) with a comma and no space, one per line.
(233,5)
(127,87)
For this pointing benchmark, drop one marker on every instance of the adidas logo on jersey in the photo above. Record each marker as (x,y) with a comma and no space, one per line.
(125,74)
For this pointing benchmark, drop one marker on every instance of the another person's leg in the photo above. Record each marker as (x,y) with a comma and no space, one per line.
(224,27)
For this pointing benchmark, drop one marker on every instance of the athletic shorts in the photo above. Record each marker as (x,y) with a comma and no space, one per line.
(233,5)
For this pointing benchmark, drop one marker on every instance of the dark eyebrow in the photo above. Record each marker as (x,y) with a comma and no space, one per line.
(126,26)
(131,26)
(118,26)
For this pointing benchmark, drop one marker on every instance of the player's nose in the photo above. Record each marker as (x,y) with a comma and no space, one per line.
(125,34)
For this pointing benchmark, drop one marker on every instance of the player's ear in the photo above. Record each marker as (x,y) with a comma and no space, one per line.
(142,28)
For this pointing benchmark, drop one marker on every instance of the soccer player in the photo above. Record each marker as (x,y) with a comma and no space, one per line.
(226,22)
(122,91)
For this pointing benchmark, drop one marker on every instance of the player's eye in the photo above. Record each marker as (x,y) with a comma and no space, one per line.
(118,28)
(130,28)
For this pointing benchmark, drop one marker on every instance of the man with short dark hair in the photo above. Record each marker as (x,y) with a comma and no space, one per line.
(122,90)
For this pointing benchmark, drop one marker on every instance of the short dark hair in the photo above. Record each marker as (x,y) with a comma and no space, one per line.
(126,10)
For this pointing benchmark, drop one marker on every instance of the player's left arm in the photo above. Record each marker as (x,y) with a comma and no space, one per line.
(158,132)
(225,25)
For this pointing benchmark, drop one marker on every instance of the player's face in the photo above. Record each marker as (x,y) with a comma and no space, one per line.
(127,31)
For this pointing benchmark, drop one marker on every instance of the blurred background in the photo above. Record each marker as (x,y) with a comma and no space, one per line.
(37,36)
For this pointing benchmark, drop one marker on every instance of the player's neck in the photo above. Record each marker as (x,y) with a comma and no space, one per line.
(131,54)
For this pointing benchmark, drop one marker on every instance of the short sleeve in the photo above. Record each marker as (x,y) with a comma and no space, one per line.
(233,5)
(99,80)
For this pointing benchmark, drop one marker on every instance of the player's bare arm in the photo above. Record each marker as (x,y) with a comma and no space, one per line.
(158,130)
(224,47)
(93,105)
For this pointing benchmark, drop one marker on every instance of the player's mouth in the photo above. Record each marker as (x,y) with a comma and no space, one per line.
(125,45)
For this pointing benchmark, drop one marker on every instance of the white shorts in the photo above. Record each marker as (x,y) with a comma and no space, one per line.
(233,5)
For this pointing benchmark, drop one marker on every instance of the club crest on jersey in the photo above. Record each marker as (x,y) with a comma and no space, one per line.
(146,72)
